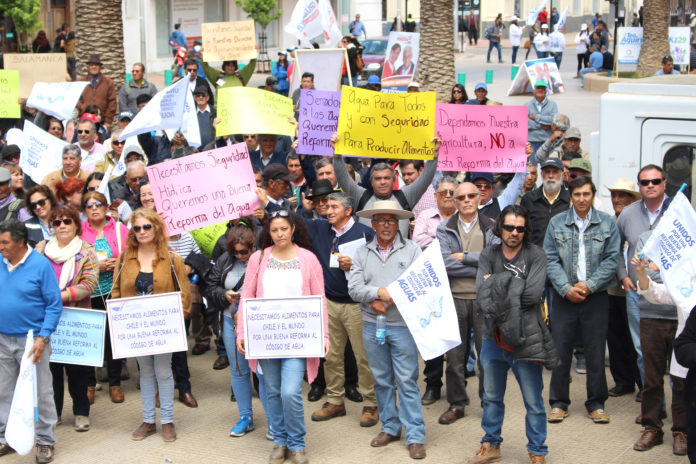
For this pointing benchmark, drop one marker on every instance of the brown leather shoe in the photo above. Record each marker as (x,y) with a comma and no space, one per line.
(90,394)
(298,457)
(116,394)
(451,415)
(143,431)
(383,439)
(648,439)
(199,348)
(168,432)
(679,445)
(329,411)
(5,449)
(536,458)
(416,450)
(486,454)
(188,399)
(370,416)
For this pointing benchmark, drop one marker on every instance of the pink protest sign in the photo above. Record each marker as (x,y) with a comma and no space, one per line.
(482,138)
(204,189)
(318,121)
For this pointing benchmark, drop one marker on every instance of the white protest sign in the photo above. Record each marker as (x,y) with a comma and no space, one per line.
(284,327)
(23,413)
(534,12)
(146,325)
(326,64)
(189,123)
(164,111)
(41,152)
(423,297)
(679,46)
(56,98)
(79,337)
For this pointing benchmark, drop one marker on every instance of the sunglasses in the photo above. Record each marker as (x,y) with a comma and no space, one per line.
(192,70)
(91,189)
(40,203)
(483,186)
(445,193)
(456,91)
(390,221)
(137,229)
(116,142)
(58,222)
(321,200)
(136,179)
(93,204)
(469,196)
(646,182)
(279,213)
(510,228)
(249,137)
(84,131)
(243,252)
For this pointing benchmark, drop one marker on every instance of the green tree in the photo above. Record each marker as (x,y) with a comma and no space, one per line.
(260,10)
(25,15)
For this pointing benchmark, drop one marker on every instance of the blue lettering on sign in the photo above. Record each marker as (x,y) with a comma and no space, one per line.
(407,290)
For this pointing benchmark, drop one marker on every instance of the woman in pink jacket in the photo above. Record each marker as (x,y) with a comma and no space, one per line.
(284,268)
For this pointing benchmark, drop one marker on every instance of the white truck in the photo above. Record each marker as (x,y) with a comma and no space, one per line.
(649,121)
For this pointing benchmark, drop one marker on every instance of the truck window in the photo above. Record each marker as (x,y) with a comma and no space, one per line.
(678,163)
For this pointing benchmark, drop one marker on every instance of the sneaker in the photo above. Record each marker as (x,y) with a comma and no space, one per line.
(486,454)
(580,365)
(298,457)
(245,424)
(599,416)
(81,423)
(269,433)
(278,455)
(557,415)
(44,454)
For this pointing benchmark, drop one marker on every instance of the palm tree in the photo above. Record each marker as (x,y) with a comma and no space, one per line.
(436,60)
(99,30)
(655,36)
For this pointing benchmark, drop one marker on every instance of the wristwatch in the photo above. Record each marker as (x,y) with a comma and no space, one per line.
(46,340)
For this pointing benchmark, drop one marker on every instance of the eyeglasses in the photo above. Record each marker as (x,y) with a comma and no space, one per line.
(192,70)
(646,182)
(137,229)
(117,142)
(279,213)
(91,189)
(456,91)
(445,193)
(200,95)
(469,196)
(384,221)
(41,203)
(137,179)
(243,252)
(510,228)
(320,199)
(249,137)
(485,186)
(93,204)
(84,131)
(58,222)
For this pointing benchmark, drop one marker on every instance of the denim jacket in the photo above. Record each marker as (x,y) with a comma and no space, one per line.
(602,250)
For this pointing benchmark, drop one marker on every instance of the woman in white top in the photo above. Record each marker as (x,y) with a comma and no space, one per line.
(515,36)
(582,41)
(541,41)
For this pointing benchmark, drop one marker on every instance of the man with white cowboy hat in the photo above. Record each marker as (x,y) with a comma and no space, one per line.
(623,360)
(375,266)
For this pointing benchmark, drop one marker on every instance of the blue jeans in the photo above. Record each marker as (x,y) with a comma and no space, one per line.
(541,54)
(496,362)
(283,379)
(558,56)
(514,53)
(491,46)
(156,374)
(396,360)
(240,373)
(633,313)
(585,71)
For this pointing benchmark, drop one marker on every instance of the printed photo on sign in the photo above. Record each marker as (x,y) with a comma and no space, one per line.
(544,69)
(400,62)
(146,325)
(79,337)
(284,327)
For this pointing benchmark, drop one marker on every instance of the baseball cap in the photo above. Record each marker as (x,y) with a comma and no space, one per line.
(572,133)
(125,115)
(544,26)
(552,162)
(581,163)
(482,175)
(276,171)
(481,85)
(414,84)
(272,81)
(540,83)
(89,117)
(9,151)
(201,89)
(373,79)
(583,27)
(5,175)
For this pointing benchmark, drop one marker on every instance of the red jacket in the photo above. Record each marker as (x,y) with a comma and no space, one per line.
(104,96)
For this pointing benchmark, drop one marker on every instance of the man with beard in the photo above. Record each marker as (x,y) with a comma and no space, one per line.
(546,201)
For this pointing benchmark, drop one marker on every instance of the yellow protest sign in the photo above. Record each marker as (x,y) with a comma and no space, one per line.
(9,94)
(245,110)
(386,125)
(232,40)
(36,67)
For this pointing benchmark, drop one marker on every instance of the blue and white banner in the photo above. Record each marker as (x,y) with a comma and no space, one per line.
(561,20)
(24,410)
(423,297)
(534,12)
(672,246)
(164,111)
(56,98)
(41,152)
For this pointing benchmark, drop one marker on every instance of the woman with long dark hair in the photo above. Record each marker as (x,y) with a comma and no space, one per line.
(41,43)
(459,95)
(284,268)
(280,72)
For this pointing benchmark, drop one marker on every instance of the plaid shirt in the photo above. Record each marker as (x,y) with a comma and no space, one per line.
(385,252)
(427,201)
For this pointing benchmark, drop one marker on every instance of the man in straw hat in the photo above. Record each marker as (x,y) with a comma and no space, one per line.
(623,359)
(375,266)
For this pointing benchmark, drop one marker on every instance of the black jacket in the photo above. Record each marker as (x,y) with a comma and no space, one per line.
(214,290)
(541,212)
(685,352)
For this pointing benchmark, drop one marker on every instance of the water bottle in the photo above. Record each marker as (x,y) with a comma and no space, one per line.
(381,332)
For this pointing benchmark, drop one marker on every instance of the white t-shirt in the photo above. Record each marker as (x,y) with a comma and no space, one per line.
(515,35)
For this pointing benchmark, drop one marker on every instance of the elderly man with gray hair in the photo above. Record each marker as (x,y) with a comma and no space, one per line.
(382,179)
(135,172)
(72,161)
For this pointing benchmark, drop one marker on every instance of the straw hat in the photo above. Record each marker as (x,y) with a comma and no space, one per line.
(621,184)
(385,207)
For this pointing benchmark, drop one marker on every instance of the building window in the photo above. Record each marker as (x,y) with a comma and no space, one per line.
(163,28)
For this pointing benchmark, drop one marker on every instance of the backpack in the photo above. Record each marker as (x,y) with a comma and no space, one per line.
(359,63)
(489,31)
(400,197)
(12,209)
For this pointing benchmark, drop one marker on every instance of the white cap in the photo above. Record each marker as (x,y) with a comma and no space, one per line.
(583,27)
(544,26)
(514,18)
